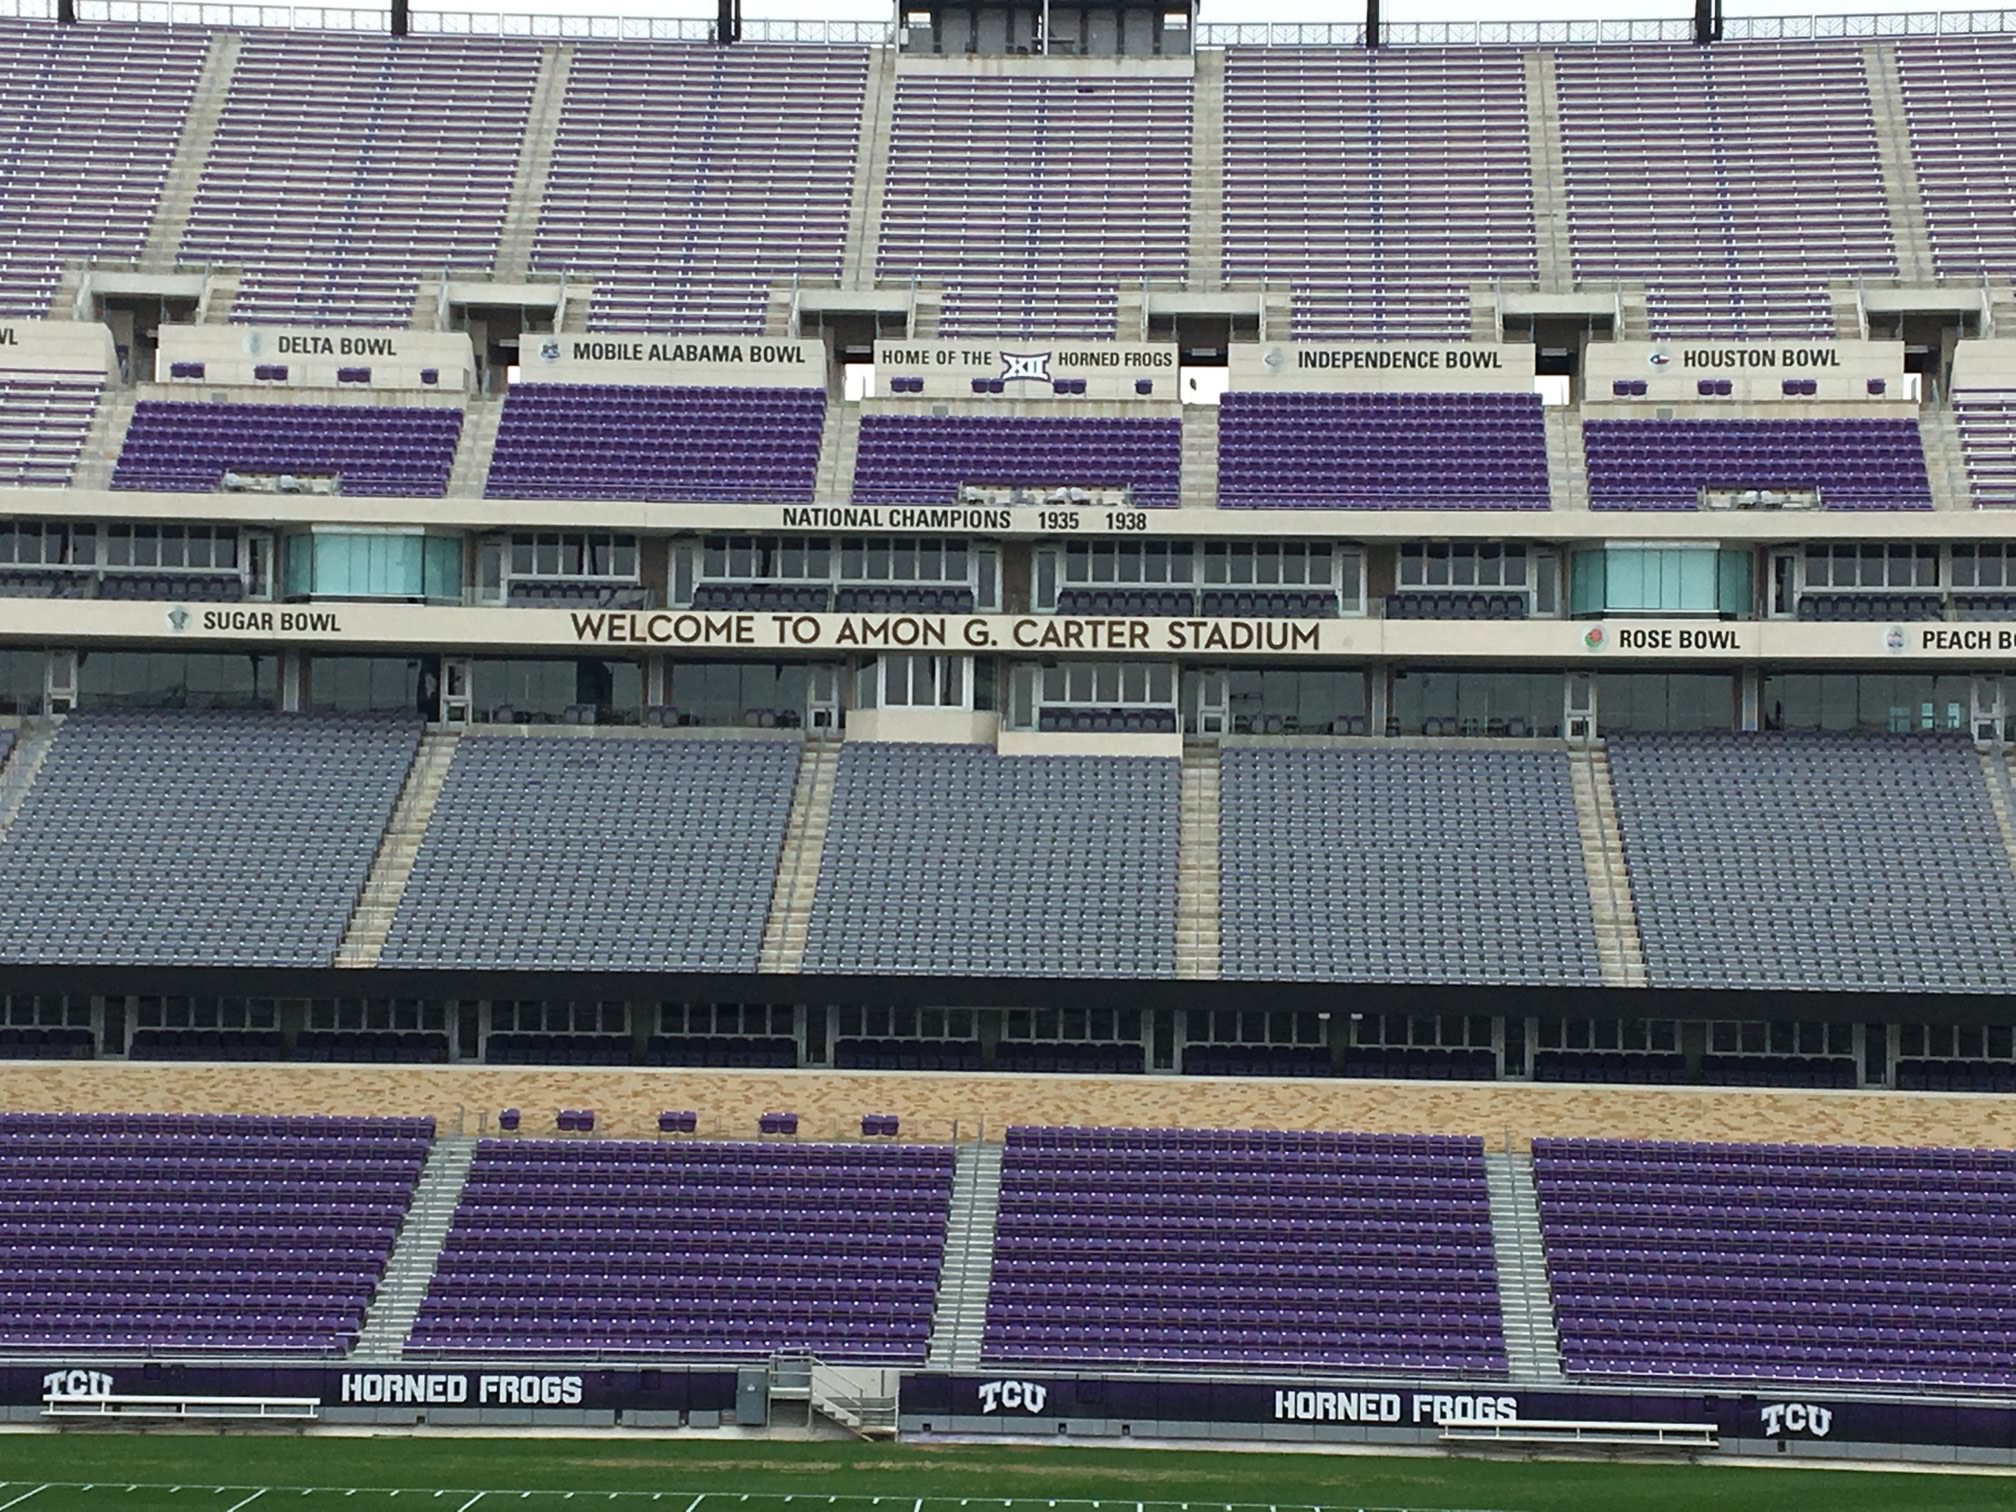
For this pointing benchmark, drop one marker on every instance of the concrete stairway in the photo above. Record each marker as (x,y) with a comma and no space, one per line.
(2001,798)
(1197,867)
(417,1251)
(192,152)
(927,306)
(797,885)
(960,1318)
(1207,171)
(219,294)
(1567,461)
(1619,950)
(838,445)
(1908,232)
(535,164)
(31,747)
(1277,311)
(1198,485)
(1945,458)
(871,171)
(473,447)
(103,441)
(1532,1338)
(371,919)
(1554,258)
(428,314)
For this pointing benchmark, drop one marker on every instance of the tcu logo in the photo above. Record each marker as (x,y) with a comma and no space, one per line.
(1013,1396)
(1033,367)
(76,1383)
(1797,1417)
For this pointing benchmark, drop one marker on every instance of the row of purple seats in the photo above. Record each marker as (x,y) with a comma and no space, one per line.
(189,446)
(851,1209)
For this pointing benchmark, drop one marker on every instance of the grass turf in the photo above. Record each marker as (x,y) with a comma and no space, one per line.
(220,1474)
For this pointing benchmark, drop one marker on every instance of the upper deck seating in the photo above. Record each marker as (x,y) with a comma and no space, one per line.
(92,113)
(904,459)
(1379,186)
(1381,451)
(613,441)
(1734,182)
(618,853)
(687,181)
(144,1233)
(951,860)
(692,1248)
(1664,464)
(1963,146)
(1781,1262)
(1193,1247)
(211,839)
(1402,866)
(1815,862)
(1031,198)
(186,446)
(44,420)
(346,166)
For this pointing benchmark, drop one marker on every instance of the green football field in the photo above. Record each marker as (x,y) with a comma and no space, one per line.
(108,1472)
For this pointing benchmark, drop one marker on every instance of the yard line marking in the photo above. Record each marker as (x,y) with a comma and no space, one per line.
(471,1502)
(236,1505)
(699,1499)
(21,1498)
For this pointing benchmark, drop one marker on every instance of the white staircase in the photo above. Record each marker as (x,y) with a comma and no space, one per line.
(2001,798)
(1619,949)
(839,443)
(220,291)
(417,1251)
(1908,232)
(95,463)
(960,1318)
(871,170)
(535,163)
(1945,459)
(473,447)
(1567,461)
(797,885)
(1198,488)
(1532,1338)
(1207,170)
(31,747)
(192,154)
(392,867)
(1554,259)
(1197,867)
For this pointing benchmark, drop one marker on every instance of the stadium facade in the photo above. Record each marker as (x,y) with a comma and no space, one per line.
(1098,598)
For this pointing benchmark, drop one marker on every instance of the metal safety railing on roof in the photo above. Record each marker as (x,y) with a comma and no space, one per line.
(882,33)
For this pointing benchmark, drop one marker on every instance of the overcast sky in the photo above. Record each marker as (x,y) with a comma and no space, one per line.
(1218,10)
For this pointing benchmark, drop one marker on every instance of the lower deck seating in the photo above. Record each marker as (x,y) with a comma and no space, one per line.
(199,839)
(144,1233)
(1815,862)
(1198,1247)
(1781,1262)
(1363,864)
(927,460)
(617,852)
(951,860)
(692,1248)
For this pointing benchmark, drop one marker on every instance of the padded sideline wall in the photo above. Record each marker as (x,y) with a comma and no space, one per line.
(628,1102)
